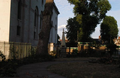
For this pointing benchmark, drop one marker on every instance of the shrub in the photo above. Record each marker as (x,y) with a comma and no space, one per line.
(14,52)
(2,56)
(112,48)
(75,52)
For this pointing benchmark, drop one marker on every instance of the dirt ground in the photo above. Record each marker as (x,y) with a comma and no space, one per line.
(81,68)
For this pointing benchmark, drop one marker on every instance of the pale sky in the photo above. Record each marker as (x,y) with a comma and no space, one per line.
(66,12)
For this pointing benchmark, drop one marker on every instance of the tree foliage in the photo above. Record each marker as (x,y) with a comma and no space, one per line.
(72,28)
(109,29)
(88,14)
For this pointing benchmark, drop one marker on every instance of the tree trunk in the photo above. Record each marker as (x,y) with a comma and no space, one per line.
(42,47)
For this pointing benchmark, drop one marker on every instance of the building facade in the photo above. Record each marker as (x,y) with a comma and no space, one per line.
(21,21)
(53,32)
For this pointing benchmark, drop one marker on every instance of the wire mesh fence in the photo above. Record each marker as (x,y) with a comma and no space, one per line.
(15,50)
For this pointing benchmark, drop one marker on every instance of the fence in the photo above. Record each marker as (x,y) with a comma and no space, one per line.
(19,50)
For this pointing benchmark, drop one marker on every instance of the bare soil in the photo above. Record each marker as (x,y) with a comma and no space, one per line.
(84,69)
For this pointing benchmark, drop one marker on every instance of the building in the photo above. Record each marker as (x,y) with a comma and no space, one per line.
(21,21)
(53,32)
(117,41)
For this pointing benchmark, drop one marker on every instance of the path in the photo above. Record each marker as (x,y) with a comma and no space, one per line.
(37,70)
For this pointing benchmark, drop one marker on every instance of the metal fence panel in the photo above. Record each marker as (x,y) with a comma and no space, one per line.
(20,50)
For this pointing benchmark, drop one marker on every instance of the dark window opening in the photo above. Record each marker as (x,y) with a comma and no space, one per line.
(36,15)
(42,2)
(35,18)
(18,30)
(40,23)
(34,34)
(19,9)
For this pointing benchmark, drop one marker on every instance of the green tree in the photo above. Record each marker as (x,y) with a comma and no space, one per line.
(72,28)
(58,37)
(88,14)
(109,29)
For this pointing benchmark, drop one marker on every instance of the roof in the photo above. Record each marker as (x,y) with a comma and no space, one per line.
(56,8)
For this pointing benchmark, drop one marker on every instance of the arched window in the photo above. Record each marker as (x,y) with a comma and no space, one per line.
(42,2)
(36,15)
(35,18)
(41,20)
(19,9)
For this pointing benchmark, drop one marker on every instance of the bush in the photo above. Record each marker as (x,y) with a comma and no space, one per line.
(75,52)
(2,56)
(33,51)
(8,67)
(53,53)
(14,52)
(112,48)
(91,53)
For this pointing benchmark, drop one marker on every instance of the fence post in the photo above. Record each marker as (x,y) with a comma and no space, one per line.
(26,49)
(4,50)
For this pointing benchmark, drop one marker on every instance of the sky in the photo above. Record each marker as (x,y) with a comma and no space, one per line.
(66,12)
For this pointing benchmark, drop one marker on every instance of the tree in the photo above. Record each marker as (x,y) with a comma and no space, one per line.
(42,47)
(72,28)
(88,14)
(58,37)
(109,29)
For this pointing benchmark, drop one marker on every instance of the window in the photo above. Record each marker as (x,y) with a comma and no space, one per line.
(18,30)
(35,18)
(34,34)
(36,15)
(19,9)
(40,23)
(42,2)
(41,20)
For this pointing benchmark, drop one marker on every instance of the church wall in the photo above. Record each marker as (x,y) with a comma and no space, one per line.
(53,33)
(14,22)
(40,6)
(4,19)
(26,22)
(9,21)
